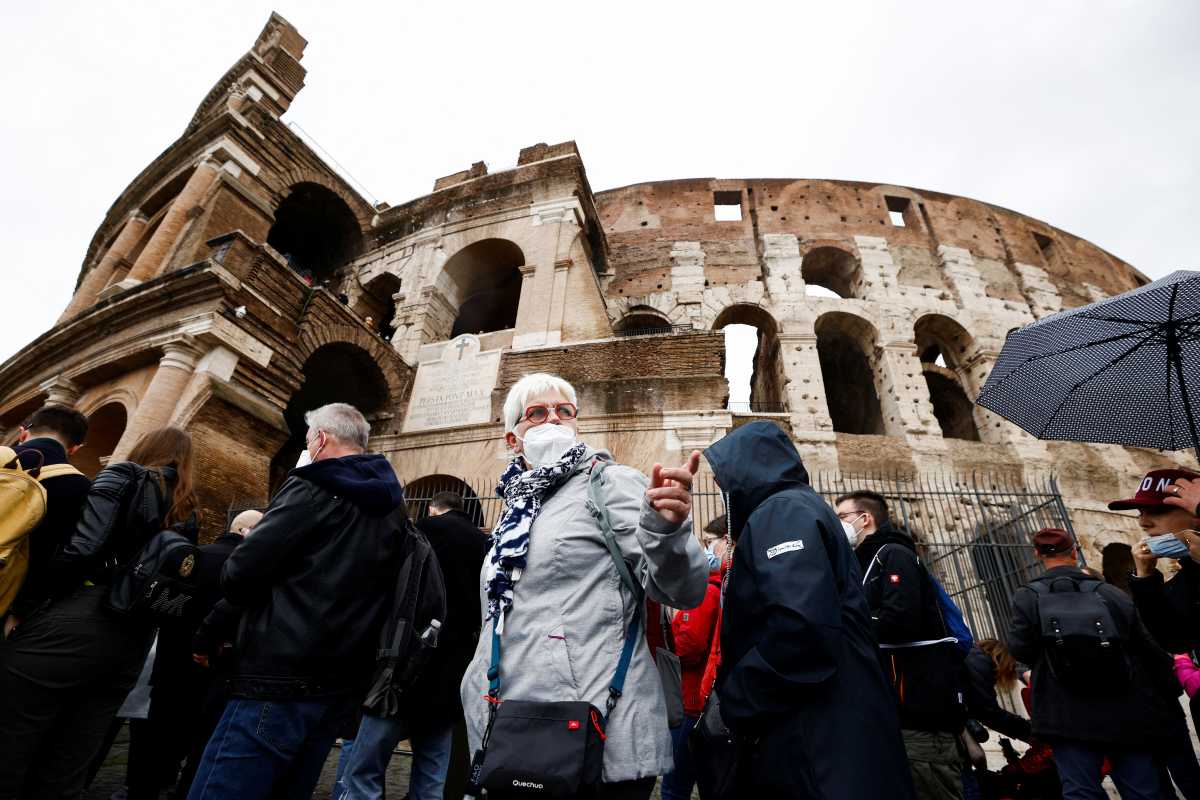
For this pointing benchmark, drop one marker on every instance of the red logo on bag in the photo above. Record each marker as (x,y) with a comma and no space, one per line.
(894,578)
(572,724)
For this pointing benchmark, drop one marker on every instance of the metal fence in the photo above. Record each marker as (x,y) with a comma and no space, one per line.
(973,531)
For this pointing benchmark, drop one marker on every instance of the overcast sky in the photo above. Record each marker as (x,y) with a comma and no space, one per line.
(1085,115)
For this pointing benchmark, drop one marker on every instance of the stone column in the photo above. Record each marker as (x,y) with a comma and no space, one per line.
(558,301)
(157,405)
(534,305)
(61,391)
(880,275)
(98,277)
(805,389)
(150,262)
(903,393)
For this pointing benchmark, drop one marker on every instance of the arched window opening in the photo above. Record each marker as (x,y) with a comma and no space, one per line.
(954,412)
(483,283)
(315,232)
(106,425)
(642,321)
(418,493)
(753,366)
(846,347)
(335,373)
(377,304)
(829,272)
(944,348)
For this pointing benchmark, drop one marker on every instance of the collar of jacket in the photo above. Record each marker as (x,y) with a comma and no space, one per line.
(884,534)
(51,449)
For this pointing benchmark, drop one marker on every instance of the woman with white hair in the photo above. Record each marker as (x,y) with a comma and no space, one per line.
(561,623)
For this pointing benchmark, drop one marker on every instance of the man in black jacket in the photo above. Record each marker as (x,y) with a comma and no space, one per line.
(433,708)
(904,610)
(56,433)
(1119,720)
(800,682)
(315,583)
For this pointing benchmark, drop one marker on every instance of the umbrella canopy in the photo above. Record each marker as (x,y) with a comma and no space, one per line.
(1125,370)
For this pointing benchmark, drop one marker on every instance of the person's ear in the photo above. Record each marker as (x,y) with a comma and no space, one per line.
(22,435)
(73,449)
(513,442)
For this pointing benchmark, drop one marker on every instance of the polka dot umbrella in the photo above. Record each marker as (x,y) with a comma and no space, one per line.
(1124,371)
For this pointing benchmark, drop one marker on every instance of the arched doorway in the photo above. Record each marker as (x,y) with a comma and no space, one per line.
(418,493)
(642,321)
(105,426)
(829,271)
(339,372)
(846,347)
(752,339)
(944,348)
(315,231)
(377,303)
(483,284)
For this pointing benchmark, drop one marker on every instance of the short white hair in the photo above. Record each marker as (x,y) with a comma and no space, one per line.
(529,387)
(343,422)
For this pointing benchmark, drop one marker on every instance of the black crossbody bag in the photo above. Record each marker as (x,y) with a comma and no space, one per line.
(546,748)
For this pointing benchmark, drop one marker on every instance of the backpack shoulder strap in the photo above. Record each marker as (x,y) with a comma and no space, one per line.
(878,560)
(58,471)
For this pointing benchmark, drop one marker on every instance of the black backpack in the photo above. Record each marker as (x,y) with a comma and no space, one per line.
(1083,646)
(152,579)
(420,598)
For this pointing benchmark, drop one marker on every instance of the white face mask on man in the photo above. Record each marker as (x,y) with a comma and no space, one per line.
(546,443)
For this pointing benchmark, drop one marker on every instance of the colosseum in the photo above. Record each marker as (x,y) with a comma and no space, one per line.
(240,280)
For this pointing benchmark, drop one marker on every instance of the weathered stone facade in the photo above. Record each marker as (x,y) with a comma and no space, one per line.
(239,280)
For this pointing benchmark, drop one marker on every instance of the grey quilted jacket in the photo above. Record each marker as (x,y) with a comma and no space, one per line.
(563,636)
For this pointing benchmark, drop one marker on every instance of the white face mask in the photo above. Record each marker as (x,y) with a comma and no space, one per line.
(546,443)
(851,534)
(304,460)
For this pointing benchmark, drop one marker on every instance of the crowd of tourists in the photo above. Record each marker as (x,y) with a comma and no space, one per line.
(590,645)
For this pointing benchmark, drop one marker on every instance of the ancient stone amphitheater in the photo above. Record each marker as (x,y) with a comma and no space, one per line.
(239,280)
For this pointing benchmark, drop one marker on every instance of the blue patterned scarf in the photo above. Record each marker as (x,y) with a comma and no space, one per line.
(523,491)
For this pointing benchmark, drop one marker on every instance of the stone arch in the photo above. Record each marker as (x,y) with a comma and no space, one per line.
(336,371)
(946,349)
(832,267)
(848,349)
(376,301)
(418,493)
(289,179)
(481,283)
(767,378)
(106,425)
(315,231)
(385,358)
(642,320)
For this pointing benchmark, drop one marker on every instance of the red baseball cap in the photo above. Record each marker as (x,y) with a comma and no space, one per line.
(1154,489)
(1049,541)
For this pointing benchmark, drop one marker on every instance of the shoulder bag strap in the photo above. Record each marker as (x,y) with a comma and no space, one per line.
(600,512)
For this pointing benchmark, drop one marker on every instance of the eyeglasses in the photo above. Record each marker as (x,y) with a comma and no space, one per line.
(846,514)
(538,414)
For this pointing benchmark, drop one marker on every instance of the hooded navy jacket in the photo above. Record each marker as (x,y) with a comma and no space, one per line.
(799,668)
(315,580)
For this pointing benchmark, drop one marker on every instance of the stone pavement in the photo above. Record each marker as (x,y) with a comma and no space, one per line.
(111,777)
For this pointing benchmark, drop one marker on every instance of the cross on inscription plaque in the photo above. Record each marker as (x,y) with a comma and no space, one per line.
(462,345)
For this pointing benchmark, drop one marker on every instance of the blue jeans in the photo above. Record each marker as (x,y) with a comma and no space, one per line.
(677,784)
(1135,774)
(267,749)
(365,775)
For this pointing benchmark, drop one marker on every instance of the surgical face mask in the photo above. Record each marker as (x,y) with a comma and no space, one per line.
(851,533)
(304,460)
(713,561)
(546,443)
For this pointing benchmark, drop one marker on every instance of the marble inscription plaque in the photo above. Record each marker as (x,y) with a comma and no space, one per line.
(454,390)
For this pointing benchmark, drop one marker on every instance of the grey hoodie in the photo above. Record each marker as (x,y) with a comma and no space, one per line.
(563,636)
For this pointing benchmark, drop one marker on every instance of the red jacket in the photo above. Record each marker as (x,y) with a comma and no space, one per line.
(693,631)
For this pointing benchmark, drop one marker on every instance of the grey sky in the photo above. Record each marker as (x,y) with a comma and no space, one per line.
(1082,114)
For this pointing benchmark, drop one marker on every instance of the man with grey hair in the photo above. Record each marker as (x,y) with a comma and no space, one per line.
(315,583)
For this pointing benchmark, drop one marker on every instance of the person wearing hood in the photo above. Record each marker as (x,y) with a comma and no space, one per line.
(929,680)
(800,683)
(550,590)
(315,584)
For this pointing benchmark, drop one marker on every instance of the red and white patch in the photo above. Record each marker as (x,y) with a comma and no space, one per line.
(572,724)
(894,578)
